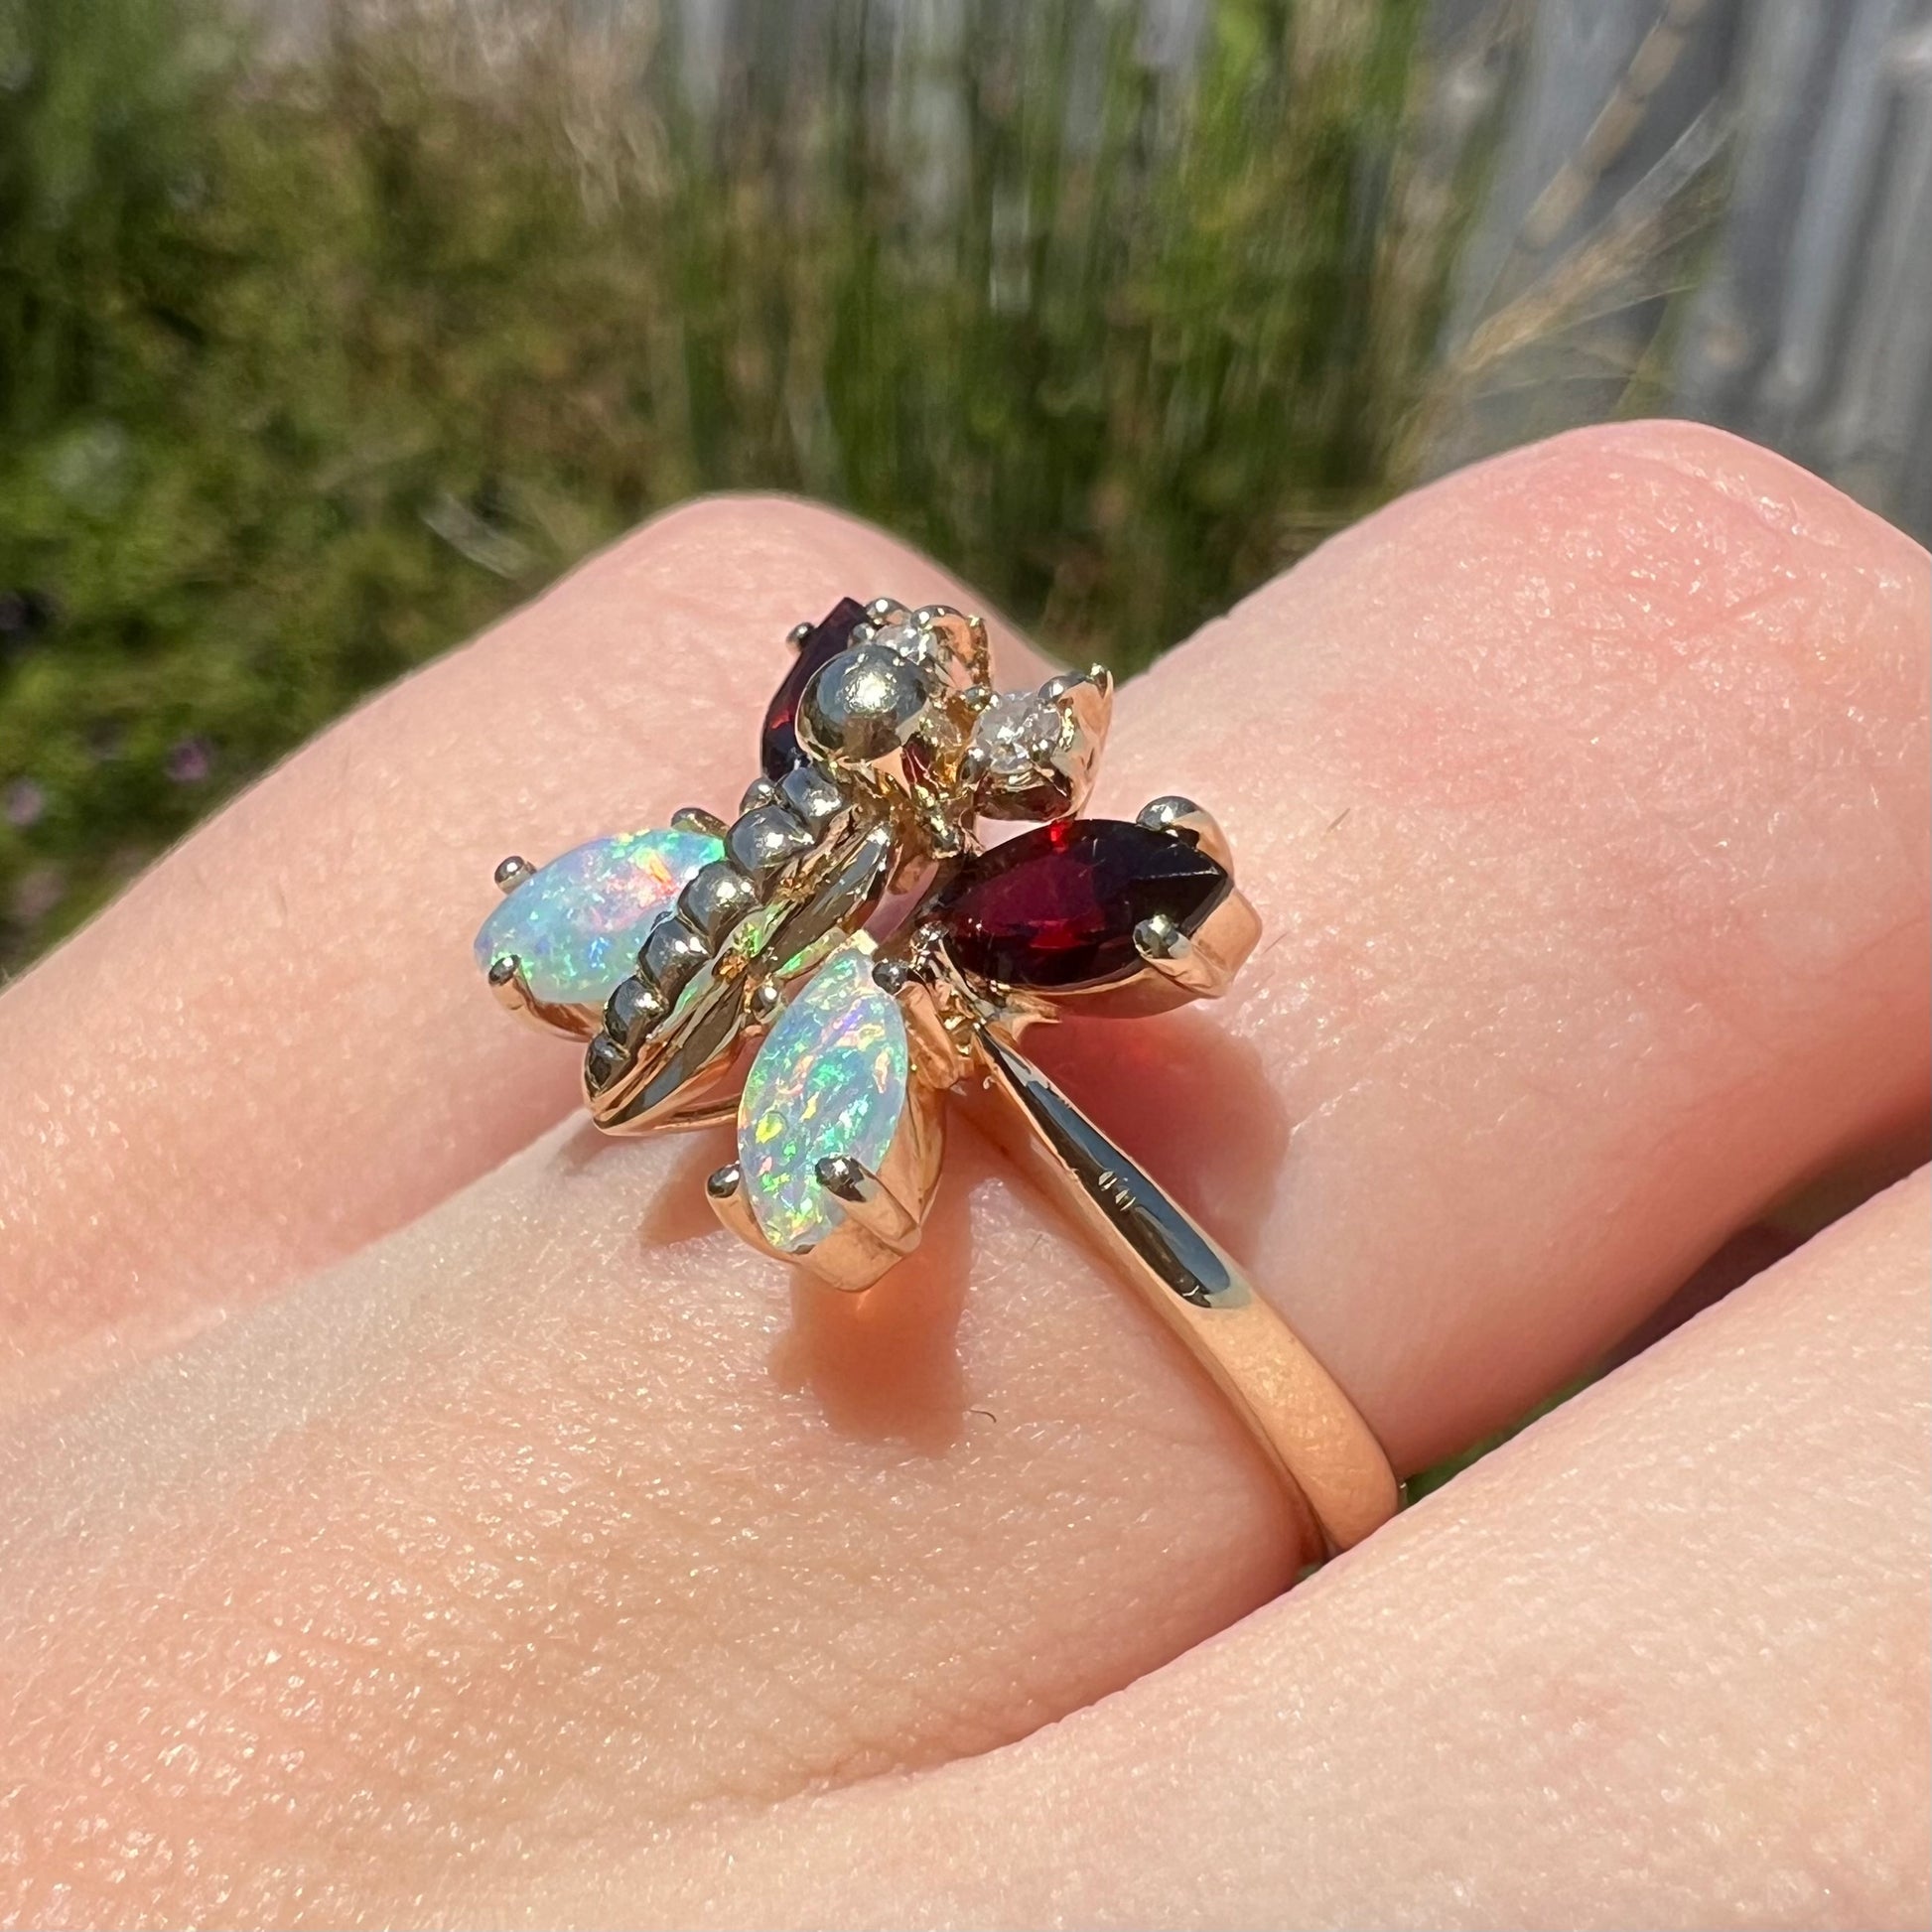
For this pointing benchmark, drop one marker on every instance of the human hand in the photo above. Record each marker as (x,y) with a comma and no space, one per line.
(417,1512)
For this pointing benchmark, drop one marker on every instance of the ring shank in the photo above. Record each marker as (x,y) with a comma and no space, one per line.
(1318,1440)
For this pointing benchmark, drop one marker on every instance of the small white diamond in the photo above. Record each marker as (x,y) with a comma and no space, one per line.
(1018,730)
(902,637)
(930,650)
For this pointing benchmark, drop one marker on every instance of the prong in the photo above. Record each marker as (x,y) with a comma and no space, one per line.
(880,609)
(507,981)
(976,697)
(927,615)
(981,649)
(936,1058)
(510,873)
(763,1003)
(800,632)
(513,995)
(694,818)
(758,794)
(1176,958)
(1182,818)
(724,1189)
(1096,677)
(927,944)
(1089,698)
(867,1201)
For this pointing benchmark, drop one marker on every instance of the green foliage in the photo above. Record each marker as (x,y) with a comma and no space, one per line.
(310,367)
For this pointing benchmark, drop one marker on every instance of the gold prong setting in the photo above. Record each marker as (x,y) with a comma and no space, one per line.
(904,743)
(758,992)
(941,1055)
(513,995)
(1182,818)
(846,1197)
(1034,755)
(1169,952)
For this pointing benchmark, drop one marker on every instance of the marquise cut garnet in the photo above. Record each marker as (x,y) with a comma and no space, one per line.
(1055,909)
(779,750)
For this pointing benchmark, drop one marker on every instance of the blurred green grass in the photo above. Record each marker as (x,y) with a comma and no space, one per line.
(311,366)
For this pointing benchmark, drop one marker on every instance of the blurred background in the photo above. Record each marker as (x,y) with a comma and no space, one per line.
(329,329)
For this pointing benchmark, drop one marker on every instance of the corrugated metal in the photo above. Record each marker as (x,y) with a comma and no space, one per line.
(1720,209)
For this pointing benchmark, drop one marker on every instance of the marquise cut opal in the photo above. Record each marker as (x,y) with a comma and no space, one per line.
(830,1080)
(576,923)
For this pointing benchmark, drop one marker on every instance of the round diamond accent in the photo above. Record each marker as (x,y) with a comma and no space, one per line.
(1019,730)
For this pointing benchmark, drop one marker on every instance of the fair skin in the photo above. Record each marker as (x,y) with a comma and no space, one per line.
(416,1511)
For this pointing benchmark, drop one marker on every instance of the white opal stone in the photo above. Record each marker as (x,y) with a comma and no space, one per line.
(830,1080)
(576,924)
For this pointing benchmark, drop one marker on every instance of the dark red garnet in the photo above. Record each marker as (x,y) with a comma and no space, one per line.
(1057,908)
(780,750)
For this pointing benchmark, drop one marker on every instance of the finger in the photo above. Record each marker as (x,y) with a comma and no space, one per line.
(743,1546)
(1661,1661)
(1584,799)
(270,1049)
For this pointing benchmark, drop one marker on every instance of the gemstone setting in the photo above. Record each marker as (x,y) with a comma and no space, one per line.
(937,656)
(1054,910)
(830,1080)
(575,925)
(1018,731)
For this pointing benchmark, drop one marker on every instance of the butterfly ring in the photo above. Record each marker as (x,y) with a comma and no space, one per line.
(835,965)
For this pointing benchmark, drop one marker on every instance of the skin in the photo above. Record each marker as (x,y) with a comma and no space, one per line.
(416,1511)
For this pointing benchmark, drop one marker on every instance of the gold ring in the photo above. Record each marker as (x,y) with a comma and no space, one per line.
(830,965)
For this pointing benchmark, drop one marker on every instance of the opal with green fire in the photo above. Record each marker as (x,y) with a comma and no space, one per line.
(830,1080)
(575,924)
